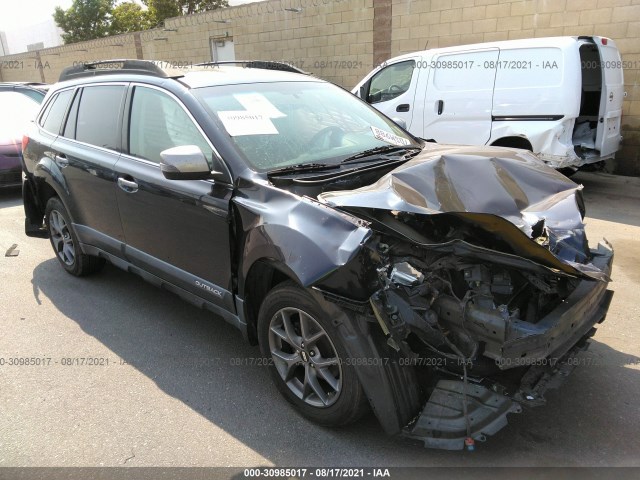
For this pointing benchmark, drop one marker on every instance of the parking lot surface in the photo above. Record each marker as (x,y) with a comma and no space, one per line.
(132,375)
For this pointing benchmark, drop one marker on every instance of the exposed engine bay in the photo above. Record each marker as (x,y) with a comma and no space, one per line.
(488,334)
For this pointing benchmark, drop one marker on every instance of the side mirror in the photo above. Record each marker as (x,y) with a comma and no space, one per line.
(400,122)
(186,162)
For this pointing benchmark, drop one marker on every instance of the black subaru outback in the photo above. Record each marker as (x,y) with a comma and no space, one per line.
(442,286)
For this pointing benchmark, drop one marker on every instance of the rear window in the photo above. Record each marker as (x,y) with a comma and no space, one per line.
(54,114)
(36,95)
(98,116)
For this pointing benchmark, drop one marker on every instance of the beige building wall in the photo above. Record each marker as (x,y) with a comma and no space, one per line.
(341,40)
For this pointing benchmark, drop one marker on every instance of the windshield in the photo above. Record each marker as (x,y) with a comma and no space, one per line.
(276,125)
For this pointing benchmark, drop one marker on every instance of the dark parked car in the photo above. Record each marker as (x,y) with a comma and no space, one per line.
(443,286)
(17,110)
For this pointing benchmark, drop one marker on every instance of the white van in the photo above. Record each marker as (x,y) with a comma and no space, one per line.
(560,97)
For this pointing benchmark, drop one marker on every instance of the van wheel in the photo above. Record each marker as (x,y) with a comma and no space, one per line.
(65,241)
(307,358)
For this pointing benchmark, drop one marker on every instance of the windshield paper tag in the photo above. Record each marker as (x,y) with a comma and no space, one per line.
(389,137)
(239,123)
(255,102)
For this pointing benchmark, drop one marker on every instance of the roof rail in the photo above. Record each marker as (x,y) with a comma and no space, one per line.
(103,67)
(263,64)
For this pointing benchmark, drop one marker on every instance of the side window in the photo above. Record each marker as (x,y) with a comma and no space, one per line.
(97,122)
(72,118)
(158,122)
(391,82)
(52,118)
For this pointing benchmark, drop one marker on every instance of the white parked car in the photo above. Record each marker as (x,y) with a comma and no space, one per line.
(560,97)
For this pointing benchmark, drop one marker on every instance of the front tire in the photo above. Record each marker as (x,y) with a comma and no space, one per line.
(308,358)
(65,241)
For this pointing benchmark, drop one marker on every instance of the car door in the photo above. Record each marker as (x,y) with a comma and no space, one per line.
(608,130)
(459,97)
(177,230)
(86,151)
(392,90)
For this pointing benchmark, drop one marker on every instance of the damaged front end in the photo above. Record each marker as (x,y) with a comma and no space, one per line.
(481,280)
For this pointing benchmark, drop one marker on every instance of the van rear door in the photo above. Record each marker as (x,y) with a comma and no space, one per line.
(608,132)
(459,97)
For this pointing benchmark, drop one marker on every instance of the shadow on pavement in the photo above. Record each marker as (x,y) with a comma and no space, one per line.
(204,363)
(613,198)
(10,197)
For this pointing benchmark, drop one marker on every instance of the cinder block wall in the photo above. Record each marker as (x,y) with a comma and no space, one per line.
(341,40)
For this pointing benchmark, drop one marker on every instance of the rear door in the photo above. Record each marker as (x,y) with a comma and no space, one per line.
(392,91)
(177,230)
(608,132)
(86,152)
(459,97)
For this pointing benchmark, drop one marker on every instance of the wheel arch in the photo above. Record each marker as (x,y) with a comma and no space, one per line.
(48,182)
(513,142)
(36,193)
(262,277)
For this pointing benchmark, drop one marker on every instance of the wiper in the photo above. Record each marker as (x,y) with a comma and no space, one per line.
(384,149)
(305,167)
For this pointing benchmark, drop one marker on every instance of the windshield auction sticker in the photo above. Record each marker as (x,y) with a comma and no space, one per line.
(389,137)
(255,102)
(238,123)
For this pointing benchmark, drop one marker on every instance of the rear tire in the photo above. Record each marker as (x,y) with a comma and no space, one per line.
(307,358)
(65,241)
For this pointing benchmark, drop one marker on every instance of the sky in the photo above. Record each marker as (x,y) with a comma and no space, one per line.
(22,13)
(16,14)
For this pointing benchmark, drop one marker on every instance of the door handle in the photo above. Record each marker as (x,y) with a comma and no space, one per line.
(440,106)
(61,161)
(128,186)
(403,107)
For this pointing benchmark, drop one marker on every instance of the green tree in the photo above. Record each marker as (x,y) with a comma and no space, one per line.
(129,17)
(89,19)
(84,20)
(196,6)
(160,10)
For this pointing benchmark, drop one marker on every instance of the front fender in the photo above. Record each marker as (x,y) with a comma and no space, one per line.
(310,239)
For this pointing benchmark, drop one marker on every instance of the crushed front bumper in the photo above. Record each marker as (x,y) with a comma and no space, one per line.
(549,352)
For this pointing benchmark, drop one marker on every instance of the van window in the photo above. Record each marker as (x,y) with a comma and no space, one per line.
(52,118)
(159,122)
(468,71)
(529,67)
(391,82)
(98,115)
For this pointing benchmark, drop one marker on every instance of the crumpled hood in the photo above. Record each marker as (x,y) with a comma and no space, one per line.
(471,181)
